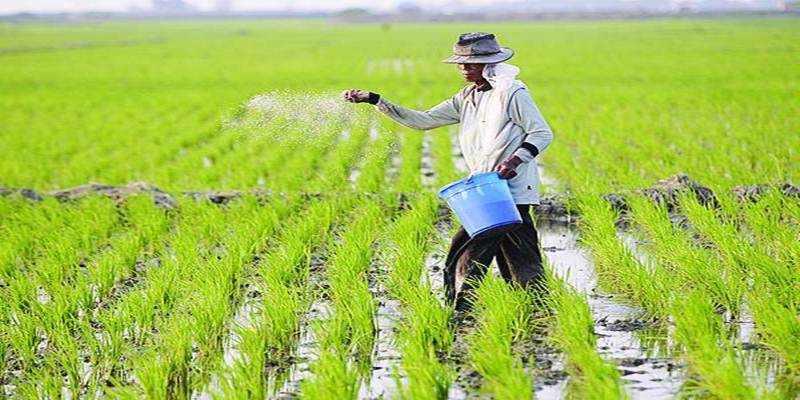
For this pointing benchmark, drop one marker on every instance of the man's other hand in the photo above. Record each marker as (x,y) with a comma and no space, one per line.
(356,95)
(507,168)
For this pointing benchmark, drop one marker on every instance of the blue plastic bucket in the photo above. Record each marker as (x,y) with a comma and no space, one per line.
(482,202)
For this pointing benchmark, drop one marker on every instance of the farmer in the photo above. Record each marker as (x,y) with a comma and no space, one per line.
(501,130)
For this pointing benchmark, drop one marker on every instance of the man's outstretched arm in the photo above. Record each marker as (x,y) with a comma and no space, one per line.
(445,113)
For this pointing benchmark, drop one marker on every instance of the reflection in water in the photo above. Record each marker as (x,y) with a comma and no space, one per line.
(618,328)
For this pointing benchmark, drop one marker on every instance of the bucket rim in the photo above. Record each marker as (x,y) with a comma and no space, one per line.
(462,180)
(488,229)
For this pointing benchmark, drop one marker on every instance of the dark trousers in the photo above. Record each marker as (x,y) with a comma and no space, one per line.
(517,253)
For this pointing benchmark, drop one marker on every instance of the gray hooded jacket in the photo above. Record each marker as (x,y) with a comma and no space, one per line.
(494,125)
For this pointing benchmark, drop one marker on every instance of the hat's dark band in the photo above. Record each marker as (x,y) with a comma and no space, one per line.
(478,54)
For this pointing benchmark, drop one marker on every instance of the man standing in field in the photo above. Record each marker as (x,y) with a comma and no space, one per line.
(502,130)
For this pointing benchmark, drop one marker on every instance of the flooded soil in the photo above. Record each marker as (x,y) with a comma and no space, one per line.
(617,326)
(385,355)
(307,350)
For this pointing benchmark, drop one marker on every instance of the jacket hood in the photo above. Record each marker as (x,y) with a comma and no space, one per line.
(500,75)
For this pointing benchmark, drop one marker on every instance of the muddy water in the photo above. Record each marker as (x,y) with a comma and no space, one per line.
(307,350)
(385,355)
(761,366)
(616,325)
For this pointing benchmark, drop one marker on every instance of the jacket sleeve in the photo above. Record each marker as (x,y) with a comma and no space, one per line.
(524,112)
(445,113)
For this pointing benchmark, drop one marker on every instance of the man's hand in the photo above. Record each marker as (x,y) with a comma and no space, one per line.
(356,95)
(507,168)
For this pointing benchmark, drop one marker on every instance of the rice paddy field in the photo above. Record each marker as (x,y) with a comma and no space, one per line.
(189,210)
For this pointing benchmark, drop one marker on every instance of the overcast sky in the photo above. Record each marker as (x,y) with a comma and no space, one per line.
(13,6)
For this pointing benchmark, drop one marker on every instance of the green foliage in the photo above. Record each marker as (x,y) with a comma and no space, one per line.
(503,314)
(128,300)
(573,331)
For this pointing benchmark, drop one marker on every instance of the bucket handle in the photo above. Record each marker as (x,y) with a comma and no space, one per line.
(469,178)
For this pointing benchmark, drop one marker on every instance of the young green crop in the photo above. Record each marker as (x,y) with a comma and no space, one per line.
(503,314)
(424,330)
(346,337)
(773,297)
(591,377)
(174,104)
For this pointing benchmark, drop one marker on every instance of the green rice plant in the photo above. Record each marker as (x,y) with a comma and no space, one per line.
(285,294)
(502,318)
(700,331)
(409,179)
(773,224)
(373,172)
(38,291)
(161,103)
(335,171)
(773,299)
(424,332)
(168,115)
(131,323)
(284,273)
(442,152)
(736,250)
(617,269)
(187,342)
(591,377)
(23,230)
(684,263)
(346,338)
(700,281)
(150,225)
(64,319)
(332,377)
(780,331)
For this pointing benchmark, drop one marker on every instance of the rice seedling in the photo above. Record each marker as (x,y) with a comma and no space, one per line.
(38,290)
(444,166)
(409,179)
(424,331)
(700,331)
(591,377)
(772,297)
(503,314)
(617,268)
(686,264)
(285,296)
(346,337)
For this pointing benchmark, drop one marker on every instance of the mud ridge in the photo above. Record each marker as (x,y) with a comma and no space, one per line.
(165,199)
(551,208)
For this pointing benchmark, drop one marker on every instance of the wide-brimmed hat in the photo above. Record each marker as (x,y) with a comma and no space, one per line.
(478,48)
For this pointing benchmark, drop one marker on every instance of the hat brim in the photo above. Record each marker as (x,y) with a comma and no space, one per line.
(504,54)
